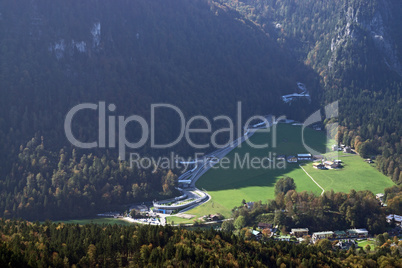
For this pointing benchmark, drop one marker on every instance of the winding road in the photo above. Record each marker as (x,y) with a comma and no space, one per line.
(204,164)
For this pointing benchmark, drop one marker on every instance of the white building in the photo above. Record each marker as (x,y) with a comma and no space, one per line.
(393,217)
(322,235)
(304,157)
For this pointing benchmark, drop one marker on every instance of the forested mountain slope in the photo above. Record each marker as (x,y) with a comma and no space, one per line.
(197,55)
(356,48)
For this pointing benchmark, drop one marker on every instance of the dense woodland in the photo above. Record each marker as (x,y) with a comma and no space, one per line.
(59,245)
(354,45)
(56,54)
(63,185)
(331,211)
(200,56)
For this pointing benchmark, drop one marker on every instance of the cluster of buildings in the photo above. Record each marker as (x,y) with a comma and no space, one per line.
(350,233)
(328,164)
(346,238)
(342,147)
(264,226)
(394,218)
(296,158)
(321,163)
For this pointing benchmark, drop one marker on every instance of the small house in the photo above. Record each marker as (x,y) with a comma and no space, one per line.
(292,159)
(347,149)
(330,165)
(319,166)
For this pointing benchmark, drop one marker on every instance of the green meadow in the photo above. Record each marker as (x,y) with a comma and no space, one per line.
(229,185)
(356,174)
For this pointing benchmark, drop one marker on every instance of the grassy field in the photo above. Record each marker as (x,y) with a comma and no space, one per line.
(177,220)
(229,186)
(356,174)
(97,221)
(363,243)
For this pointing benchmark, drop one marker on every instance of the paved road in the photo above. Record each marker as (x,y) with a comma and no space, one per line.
(204,166)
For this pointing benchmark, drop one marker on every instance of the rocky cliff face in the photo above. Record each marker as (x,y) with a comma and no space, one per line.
(357,24)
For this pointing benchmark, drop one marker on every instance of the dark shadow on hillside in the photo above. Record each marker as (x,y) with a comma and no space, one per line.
(242,173)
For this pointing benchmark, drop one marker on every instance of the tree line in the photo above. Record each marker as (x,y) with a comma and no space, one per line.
(61,245)
(47,185)
(331,211)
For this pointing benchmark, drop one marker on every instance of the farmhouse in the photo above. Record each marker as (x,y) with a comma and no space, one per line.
(213,217)
(330,165)
(347,149)
(322,235)
(319,166)
(304,157)
(299,232)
